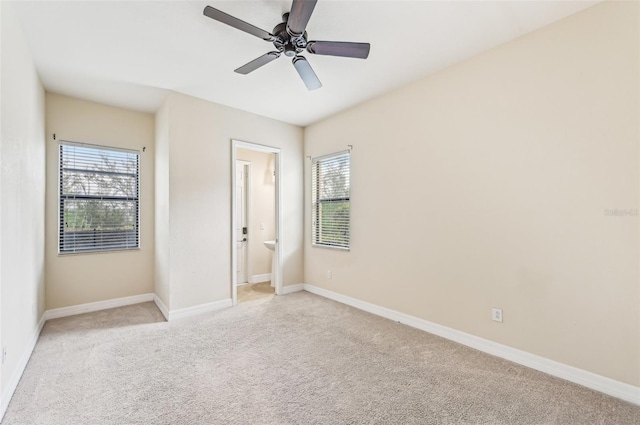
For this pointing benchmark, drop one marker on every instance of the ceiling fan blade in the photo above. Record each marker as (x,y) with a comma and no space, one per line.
(237,23)
(339,48)
(299,16)
(258,62)
(309,77)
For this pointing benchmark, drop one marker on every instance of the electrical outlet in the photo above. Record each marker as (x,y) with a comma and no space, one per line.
(4,354)
(329,274)
(496,314)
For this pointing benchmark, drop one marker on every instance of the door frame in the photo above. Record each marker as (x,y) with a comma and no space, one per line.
(247,211)
(235,144)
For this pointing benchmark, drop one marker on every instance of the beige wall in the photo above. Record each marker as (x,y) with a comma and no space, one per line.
(82,278)
(162,223)
(486,185)
(262,209)
(199,196)
(22,163)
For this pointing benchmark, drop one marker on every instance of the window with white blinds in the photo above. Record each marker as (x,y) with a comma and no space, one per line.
(331,200)
(99,204)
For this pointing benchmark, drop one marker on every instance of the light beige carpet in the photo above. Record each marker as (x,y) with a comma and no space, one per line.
(295,359)
(254,291)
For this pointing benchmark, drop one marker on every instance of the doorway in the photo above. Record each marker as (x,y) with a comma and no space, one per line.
(256,221)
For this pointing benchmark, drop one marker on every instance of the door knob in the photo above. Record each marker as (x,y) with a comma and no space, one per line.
(243,240)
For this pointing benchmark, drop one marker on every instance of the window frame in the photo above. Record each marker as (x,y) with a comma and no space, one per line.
(316,203)
(62,197)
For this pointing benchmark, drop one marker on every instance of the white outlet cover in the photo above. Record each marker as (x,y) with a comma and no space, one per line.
(496,314)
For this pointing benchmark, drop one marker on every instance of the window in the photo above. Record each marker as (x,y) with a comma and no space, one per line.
(330,197)
(99,204)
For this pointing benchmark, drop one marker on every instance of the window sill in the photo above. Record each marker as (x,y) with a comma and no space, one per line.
(106,251)
(335,248)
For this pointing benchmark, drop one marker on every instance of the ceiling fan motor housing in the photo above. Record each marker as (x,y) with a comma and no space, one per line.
(288,43)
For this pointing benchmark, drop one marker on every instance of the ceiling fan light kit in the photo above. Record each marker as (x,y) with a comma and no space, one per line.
(289,37)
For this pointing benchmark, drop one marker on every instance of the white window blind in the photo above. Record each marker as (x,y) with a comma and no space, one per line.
(331,189)
(99,205)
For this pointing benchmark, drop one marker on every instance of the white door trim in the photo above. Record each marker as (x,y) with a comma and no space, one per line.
(235,144)
(247,211)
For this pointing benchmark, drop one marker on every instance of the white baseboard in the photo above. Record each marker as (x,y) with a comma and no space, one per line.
(588,379)
(290,289)
(19,370)
(260,278)
(161,306)
(197,309)
(96,306)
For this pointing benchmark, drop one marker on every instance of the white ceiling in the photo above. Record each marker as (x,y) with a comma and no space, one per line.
(129,54)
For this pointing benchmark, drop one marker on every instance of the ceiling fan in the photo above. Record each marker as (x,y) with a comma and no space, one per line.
(289,37)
